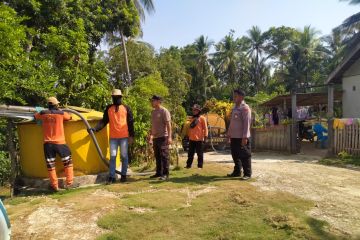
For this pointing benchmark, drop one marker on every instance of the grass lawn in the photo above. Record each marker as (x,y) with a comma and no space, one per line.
(341,162)
(194,204)
(202,204)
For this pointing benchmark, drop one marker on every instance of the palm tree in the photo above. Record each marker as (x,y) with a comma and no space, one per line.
(335,48)
(351,25)
(306,48)
(141,6)
(226,57)
(257,42)
(202,46)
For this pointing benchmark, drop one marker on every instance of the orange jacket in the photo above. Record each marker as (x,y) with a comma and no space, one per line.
(53,125)
(200,131)
(120,120)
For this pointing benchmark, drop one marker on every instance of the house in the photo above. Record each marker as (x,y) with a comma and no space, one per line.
(348,75)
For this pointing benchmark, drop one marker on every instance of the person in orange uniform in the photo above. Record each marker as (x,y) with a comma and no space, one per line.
(120,119)
(197,133)
(54,142)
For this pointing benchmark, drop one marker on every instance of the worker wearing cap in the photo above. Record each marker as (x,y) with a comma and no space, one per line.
(54,142)
(197,133)
(160,137)
(239,135)
(120,119)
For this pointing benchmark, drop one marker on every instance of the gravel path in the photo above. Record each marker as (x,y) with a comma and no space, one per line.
(335,191)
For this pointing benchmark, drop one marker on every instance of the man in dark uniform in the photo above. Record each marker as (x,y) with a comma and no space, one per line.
(239,135)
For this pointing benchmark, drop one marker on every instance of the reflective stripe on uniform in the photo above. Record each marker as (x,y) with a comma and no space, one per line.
(65,158)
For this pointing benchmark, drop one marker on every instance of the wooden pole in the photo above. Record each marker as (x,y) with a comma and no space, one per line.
(294,122)
(330,116)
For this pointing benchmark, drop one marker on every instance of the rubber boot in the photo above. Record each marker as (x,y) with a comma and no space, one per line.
(69,174)
(53,179)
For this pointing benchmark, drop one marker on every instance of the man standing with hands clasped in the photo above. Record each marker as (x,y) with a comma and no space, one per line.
(239,135)
(198,132)
(160,137)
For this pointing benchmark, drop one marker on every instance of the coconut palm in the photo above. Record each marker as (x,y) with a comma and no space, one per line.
(335,48)
(306,49)
(226,58)
(202,46)
(257,51)
(351,25)
(142,6)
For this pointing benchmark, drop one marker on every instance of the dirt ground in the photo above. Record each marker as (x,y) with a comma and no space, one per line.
(335,191)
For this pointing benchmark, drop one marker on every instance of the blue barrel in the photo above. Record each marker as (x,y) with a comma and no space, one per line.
(5,227)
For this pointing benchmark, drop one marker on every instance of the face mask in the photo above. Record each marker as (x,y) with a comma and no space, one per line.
(116,100)
(52,107)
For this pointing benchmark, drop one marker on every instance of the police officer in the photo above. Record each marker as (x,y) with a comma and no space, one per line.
(239,135)
(160,137)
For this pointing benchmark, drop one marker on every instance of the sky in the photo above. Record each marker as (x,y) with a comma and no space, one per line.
(180,22)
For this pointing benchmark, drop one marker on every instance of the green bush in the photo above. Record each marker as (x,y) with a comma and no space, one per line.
(5,168)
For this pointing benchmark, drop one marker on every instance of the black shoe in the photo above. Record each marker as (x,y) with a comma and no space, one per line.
(200,167)
(110,180)
(155,176)
(123,178)
(164,178)
(245,178)
(188,167)
(234,174)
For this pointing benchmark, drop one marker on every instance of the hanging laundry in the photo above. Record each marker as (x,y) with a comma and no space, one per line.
(349,122)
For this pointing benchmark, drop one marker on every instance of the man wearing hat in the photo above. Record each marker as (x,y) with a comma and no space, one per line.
(239,134)
(197,134)
(121,122)
(160,137)
(54,142)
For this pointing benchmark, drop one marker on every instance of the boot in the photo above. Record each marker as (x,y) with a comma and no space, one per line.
(123,178)
(53,179)
(69,174)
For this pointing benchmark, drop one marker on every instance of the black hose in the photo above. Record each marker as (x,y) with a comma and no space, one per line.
(92,135)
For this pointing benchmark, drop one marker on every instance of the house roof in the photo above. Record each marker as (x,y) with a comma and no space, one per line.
(302,99)
(353,54)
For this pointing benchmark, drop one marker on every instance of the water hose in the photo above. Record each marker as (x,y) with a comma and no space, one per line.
(92,135)
(26,112)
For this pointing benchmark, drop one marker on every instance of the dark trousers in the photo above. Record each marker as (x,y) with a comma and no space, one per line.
(195,146)
(241,156)
(161,151)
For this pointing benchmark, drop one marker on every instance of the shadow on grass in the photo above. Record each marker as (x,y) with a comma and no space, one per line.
(317,226)
(199,179)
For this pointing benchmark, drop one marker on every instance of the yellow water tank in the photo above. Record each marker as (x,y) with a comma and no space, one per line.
(215,121)
(85,157)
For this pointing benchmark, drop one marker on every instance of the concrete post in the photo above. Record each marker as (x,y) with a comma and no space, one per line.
(294,128)
(330,115)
